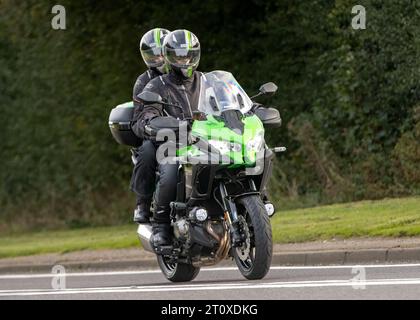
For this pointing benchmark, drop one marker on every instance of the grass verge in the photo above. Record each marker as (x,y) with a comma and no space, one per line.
(384,218)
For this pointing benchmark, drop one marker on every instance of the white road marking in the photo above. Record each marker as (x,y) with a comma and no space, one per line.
(78,274)
(127,273)
(206,287)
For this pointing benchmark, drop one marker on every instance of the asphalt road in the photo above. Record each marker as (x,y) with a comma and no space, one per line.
(226,283)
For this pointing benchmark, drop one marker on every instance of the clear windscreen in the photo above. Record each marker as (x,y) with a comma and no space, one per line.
(220,92)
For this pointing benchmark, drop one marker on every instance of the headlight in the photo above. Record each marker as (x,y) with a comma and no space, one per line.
(225,146)
(256,144)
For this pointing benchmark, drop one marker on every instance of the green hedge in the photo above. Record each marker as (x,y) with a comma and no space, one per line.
(347,98)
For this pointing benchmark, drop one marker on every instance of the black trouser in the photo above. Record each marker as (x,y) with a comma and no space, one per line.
(144,173)
(144,181)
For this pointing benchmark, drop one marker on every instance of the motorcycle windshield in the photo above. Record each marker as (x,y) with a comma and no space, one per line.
(220,92)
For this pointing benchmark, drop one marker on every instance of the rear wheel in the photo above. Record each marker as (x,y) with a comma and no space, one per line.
(177,272)
(254,257)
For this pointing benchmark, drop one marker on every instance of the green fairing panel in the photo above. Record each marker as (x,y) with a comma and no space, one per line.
(213,129)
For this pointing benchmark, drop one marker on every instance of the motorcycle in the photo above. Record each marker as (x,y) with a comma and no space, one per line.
(221,210)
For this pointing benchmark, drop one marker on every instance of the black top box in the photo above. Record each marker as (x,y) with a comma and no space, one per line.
(120,125)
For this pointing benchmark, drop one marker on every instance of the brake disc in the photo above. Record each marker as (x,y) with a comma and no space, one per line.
(244,251)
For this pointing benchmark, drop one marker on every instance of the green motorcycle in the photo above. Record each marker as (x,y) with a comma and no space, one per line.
(221,210)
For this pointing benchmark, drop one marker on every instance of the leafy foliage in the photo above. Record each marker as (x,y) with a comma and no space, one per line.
(348,97)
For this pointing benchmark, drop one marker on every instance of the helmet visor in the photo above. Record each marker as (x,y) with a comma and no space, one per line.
(183,58)
(153,57)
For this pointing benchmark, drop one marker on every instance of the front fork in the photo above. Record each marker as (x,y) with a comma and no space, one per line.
(231,214)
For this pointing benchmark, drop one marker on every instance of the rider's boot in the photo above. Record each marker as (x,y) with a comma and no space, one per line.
(142,213)
(161,234)
(161,228)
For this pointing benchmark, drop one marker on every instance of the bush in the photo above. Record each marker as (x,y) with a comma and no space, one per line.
(347,96)
(406,157)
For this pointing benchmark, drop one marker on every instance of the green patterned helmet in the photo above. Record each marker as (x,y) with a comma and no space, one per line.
(182,52)
(151,46)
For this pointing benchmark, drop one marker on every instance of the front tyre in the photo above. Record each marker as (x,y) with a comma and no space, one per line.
(177,272)
(254,257)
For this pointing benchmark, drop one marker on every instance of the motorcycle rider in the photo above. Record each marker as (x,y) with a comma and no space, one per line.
(152,54)
(181,86)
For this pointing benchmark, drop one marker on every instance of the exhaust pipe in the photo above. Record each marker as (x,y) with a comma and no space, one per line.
(144,233)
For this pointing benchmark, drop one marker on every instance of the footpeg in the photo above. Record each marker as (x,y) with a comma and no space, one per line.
(178,206)
(164,250)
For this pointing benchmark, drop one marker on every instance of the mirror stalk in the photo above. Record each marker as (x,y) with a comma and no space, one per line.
(256,96)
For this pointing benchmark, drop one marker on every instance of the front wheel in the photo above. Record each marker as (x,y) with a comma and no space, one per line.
(177,272)
(254,257)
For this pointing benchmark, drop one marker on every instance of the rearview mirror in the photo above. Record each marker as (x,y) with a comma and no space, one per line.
(268,88)
(270,117)
(150,97)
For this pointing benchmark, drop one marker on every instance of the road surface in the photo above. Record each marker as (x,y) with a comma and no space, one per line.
(225,283)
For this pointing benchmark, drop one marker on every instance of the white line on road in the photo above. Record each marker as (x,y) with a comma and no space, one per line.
(227,286)
(128,273)
(78,274)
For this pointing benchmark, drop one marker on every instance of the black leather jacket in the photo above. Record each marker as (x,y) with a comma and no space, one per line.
(141,82)
(174,90)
